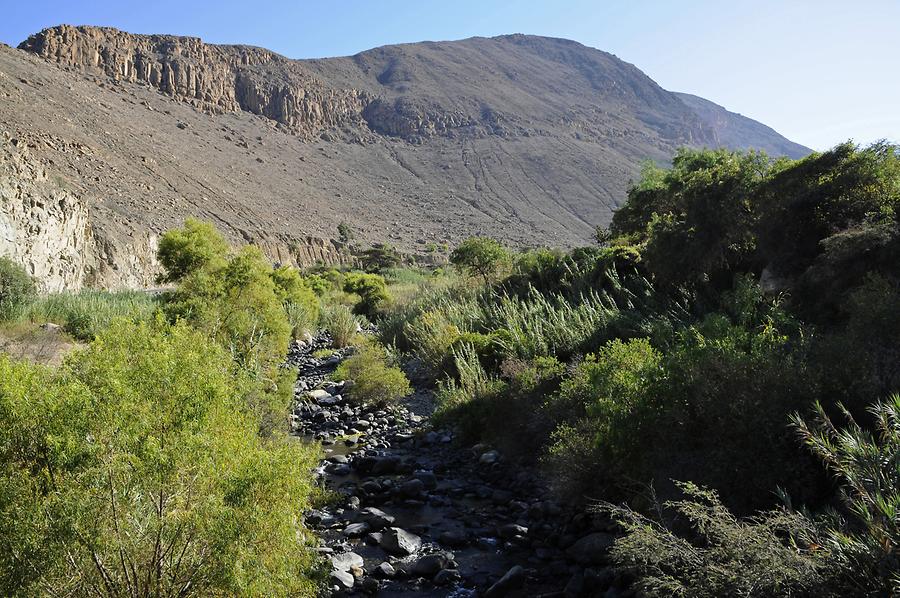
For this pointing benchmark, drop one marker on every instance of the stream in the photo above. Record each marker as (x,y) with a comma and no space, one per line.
(416,513)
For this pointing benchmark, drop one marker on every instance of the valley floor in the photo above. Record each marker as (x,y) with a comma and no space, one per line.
(416,514)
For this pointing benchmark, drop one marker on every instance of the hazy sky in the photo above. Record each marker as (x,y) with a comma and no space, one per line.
(818,71)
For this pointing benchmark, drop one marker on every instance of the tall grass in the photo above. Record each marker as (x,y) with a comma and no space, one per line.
(341,324)
(85,313)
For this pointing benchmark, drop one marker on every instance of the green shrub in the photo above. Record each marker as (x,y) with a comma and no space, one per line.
(467,398)
(615,389)
(318,283)
(341,324)
(300,303)
(480,257)
(371,290)
(17,288)
(137,470)
(375,380)
(196,246)
(379,258)
(239,301)
(715,554)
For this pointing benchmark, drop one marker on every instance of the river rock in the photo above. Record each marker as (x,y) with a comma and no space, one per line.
(429,565)
(453,539)
(343,579)
(356,530)
(400,542)
(376,518)
(489,458)
(412,488)
(446,577)
(384,570)
(513,579)
(346,561)
(511,530)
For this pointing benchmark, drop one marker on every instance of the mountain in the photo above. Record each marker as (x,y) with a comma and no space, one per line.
(109,138)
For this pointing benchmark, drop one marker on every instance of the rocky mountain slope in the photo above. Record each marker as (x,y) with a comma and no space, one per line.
(525,138)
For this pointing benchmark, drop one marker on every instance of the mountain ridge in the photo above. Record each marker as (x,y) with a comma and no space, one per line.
(529,139)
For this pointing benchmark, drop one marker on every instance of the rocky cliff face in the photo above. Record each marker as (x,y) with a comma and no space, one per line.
(47,228)
(42,226)
(213,78)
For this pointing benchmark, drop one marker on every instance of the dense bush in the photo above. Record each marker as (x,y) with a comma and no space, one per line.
(375,379)
(17,288)
(240,301)
(863,534)
(136,470)
(299,300)
(196,246)
(372,292)
(480,257)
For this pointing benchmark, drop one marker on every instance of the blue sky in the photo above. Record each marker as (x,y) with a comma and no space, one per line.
(818,71)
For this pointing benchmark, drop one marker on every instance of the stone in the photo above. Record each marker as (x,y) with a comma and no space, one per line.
(400,542)
(343,579)
(376,518)
(429,565)
(489,458)
(453,539)
(356,530)
(369,585)
(384,570)
(428,479)
(446,577)
(346,561)
(412,488)
(511,530)
(318,393)
(513,579)
(591,549)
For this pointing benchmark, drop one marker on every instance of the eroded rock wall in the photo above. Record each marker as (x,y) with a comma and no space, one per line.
(213,78)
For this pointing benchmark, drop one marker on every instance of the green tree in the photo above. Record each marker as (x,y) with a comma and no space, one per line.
(379,258)
(136,470)
(480,256)
(185,250)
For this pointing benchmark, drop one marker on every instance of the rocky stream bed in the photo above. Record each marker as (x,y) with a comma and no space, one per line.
(419,514)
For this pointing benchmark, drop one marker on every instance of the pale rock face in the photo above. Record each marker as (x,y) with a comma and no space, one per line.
(43,227)
(47,229)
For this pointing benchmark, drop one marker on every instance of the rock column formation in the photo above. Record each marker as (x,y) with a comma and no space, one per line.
(213,78)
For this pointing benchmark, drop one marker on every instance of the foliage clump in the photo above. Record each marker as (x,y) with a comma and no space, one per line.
(372,291)
(136,470)
(480,257)
(714,553)
(341,324)
(375,378)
